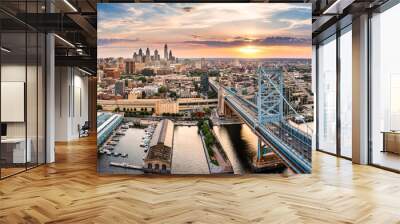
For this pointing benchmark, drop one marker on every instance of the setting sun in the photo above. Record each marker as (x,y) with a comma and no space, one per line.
(249,50)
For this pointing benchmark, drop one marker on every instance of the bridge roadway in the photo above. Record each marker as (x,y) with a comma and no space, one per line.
(289,143)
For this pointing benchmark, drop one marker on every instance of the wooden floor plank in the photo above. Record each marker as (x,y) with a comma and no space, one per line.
(71,191)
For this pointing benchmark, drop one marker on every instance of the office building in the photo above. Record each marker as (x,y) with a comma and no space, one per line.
(129,66)
(147,55)
(135,57)
(170,57)
(119,88)
(140,56)
(166,52)
(203,63)
(204,83)
(156,55)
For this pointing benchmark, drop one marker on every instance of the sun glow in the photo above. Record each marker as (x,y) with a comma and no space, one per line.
(249,50)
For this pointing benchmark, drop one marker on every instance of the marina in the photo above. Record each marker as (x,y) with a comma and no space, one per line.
(125,149)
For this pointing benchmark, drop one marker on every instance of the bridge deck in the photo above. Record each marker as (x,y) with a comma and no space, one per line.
(290,144)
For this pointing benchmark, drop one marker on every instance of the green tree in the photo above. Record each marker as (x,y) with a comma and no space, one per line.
(148,72)
(207,110)
(142,78)
(212,95)
(173,94)
(213,73)
(162,89)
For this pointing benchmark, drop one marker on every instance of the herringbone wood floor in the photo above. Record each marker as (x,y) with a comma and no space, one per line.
(70,191)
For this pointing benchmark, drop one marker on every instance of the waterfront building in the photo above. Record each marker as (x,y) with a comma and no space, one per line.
(106,124)
(159,157)
(159,106)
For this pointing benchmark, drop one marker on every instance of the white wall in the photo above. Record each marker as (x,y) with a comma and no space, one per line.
(71,103)
(9,73)
(33,126)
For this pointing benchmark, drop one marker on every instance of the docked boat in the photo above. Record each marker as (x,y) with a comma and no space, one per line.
(108,147)
(124,155)
(112,143)
(109,153)
(116,154)
(124,126)
(119,133)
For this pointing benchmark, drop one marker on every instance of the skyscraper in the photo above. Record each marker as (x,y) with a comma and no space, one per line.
(170,57)
(203,63)
(147,55)
(119,88)
(140,55)
(156,55)
(140,52)
(166,52)
(204,83)
(130,66)
(147,52)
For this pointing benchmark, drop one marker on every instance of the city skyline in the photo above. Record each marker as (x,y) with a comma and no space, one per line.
(206,31)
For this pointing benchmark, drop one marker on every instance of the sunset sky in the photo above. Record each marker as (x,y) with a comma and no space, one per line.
(209,30)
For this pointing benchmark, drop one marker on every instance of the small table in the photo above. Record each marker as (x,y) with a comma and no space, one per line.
(391,141)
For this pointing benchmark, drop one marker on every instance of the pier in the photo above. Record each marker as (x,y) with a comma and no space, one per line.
(126,165)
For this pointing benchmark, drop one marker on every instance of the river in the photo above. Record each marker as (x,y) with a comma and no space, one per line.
(240,145)
(188,156)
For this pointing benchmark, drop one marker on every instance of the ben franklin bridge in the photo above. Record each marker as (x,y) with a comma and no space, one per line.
(266,119)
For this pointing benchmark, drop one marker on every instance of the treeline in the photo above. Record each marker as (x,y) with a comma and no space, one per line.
(204,126)
(199,72)
(137,114)
(172,114)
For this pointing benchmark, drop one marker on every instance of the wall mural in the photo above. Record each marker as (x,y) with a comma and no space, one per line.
(204,88)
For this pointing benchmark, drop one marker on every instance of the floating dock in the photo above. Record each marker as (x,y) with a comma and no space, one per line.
(126,165)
